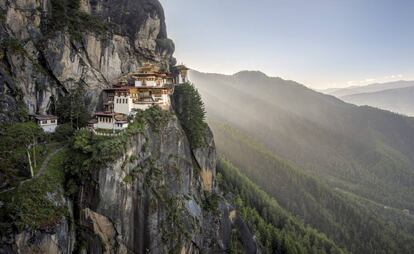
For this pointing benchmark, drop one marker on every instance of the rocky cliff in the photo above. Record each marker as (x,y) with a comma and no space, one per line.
(50,46)
(144,191)
(153,199)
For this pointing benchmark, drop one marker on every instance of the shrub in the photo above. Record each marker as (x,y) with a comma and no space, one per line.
(63,132)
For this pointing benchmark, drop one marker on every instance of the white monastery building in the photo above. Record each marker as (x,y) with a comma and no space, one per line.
(138,91)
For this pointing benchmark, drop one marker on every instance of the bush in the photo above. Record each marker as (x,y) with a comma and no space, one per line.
(191,113)
(63,132)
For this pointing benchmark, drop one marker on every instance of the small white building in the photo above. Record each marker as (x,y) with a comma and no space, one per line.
(47,122)
(181,74)
(111,121)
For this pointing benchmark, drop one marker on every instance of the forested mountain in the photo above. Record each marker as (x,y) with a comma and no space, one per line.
(399,100)
(276,230)
(354,167)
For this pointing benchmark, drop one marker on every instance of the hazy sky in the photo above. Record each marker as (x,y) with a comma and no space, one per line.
(320,43)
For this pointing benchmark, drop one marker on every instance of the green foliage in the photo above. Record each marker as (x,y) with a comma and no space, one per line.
(72,108)
(15,141)
(191,113)
(155,117)
(211,203)
(89,151)
(65,14)
(63,132)
(350,222)
(37,203)
(274,228)
(128,179)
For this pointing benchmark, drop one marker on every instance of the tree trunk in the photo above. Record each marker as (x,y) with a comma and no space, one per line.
(34,153)
(30,162)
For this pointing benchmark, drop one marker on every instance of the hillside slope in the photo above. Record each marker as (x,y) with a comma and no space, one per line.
(341,92)
(363,152)
(399,100)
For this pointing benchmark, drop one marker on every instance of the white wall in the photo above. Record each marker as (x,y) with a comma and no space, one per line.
(105,125)
(151,83)
(142,106)
(121,107)
(138,83)
(49,128)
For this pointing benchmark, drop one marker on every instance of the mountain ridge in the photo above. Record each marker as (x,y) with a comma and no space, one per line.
(359,149)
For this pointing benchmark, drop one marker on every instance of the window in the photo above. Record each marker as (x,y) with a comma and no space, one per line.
(44,122)
(53,121)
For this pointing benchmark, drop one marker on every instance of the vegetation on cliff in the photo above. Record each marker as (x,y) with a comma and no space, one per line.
(20,151)
(72,108)
(65,14)
(36,203)
(89,151)
(190,110)
(275,229)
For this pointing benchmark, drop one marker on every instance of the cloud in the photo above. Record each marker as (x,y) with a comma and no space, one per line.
(361,82)
(368,81)
(395,76)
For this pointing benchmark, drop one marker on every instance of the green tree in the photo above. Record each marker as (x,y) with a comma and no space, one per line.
(191,113)
(72,108)
(18,144)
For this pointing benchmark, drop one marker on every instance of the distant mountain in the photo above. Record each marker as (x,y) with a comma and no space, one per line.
(341,168)
(399,100)
(341,92)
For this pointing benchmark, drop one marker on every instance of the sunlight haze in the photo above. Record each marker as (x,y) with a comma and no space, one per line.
(319,43)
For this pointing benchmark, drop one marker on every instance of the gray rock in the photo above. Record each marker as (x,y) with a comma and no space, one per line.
(48,66)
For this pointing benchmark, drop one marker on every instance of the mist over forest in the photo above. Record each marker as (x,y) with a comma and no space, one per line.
(333,164)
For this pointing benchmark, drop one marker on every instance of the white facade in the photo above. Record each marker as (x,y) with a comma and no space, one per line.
(48,125)
(107,123)
(150,83)
(181,80)
(49,128)
(123,104)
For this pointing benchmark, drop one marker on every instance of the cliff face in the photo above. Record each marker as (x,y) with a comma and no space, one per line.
(158,195)
(50,46)
(153,199)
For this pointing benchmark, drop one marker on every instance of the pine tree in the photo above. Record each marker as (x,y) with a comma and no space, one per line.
(191,113)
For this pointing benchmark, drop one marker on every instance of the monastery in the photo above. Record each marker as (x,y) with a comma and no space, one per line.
(137,91)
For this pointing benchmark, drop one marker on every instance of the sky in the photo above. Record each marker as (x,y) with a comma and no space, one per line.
(319,43)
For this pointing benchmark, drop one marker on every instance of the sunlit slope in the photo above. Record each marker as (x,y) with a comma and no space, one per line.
(399,100)
(361,150)
(355,224)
